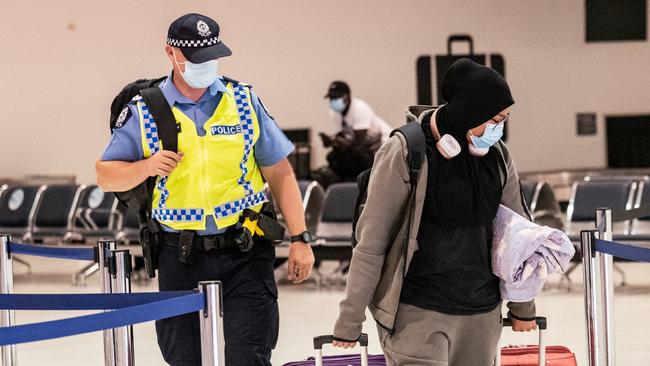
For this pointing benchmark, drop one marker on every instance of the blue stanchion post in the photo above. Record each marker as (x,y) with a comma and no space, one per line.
(6,287)
(605,228)
(103,252)
(211,319)
(120,269)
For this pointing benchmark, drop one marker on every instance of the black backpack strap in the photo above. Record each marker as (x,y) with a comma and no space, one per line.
(416,144)
(162,114)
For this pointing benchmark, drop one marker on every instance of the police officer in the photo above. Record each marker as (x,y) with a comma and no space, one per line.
(228,146)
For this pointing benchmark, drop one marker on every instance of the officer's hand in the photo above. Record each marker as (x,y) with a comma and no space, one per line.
(523,326)
(163,163)
(301,261)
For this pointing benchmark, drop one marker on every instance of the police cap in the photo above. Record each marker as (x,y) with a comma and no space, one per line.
(197,36)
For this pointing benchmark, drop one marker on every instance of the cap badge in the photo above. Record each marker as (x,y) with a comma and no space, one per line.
(203,28)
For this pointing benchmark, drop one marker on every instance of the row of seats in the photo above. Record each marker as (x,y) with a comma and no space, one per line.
(329,216)
(83,212)
(68,213)
(619,194)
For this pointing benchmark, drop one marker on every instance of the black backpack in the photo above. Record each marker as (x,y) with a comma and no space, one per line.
(416,144)
(138,199)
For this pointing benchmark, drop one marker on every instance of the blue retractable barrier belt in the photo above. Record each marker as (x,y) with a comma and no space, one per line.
(82,254)
(631,252)
(84,301)
(107,320)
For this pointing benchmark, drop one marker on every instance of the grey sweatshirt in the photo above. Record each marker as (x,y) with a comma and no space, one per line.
(380,259)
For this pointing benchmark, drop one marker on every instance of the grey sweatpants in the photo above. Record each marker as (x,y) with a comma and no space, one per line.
(425,337)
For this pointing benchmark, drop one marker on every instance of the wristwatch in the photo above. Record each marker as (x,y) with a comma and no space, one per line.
(304,237)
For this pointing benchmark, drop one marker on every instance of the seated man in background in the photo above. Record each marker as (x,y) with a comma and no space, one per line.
(362,133)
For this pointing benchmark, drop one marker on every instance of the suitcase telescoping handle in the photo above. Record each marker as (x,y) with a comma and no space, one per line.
(329,339)
(460,38)
(541,325)
(540,320)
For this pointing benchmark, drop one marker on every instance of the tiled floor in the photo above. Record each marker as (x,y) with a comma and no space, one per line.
(306,312)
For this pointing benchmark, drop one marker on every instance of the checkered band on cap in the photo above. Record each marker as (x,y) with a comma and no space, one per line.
(193,43)
(181,214)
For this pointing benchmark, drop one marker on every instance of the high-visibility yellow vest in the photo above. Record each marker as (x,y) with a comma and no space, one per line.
(218,175)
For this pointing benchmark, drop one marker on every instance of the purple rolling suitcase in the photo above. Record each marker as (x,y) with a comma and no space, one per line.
(347,360)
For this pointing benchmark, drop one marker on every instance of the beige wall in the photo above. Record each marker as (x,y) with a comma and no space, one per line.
(57,83)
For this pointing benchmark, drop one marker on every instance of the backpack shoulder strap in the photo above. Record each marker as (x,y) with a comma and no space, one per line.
(416,144)
(162,114)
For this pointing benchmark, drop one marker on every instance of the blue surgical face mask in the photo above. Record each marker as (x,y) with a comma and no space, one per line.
(337,104)
(492,134)
(199,76)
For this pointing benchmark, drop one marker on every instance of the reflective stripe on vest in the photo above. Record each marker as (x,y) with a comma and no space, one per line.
(182,200)
(153,142)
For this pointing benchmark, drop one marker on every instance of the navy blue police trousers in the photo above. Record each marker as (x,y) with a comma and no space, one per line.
(250,307)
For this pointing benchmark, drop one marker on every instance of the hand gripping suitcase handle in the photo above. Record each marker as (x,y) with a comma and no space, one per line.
(540,320)
(541,324)
(329,339)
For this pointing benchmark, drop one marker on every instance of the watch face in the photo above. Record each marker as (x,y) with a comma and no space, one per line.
(305,237)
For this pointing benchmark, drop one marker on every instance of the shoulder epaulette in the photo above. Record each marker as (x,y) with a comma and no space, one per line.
(233,81)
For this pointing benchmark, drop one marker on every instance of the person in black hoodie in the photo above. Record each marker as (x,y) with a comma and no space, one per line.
(449,309)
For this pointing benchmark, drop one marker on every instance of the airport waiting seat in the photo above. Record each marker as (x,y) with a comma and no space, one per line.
(312,202)
(335,223)
(312,194)
(128,226)
(589,195)
(17,206)
(55,211)
(544,207)
(586,197)
(529,188)
(334,232)
(641,226)
(95,215)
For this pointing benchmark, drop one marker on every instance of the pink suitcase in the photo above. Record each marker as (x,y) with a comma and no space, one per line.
(346,360)
(531,355)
